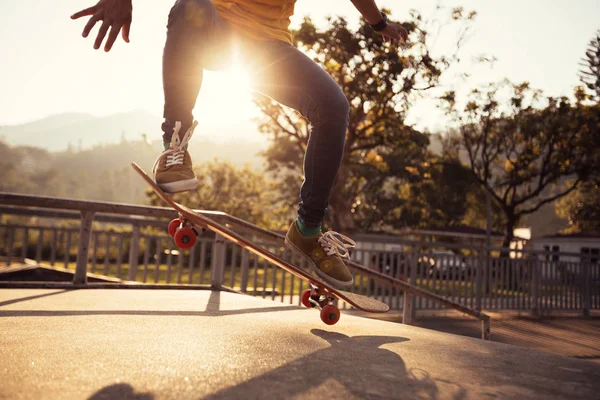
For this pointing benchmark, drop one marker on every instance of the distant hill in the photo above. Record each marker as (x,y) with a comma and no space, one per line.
(80,131)
(83,156)
(75,133)
(46,124)
(103,172)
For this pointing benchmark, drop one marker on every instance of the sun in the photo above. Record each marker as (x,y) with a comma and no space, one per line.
(225,98)
(239,77)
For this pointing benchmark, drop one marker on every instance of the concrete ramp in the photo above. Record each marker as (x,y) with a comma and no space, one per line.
(182,344)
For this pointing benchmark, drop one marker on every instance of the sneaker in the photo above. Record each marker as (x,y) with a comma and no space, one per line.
(324,253)
(173,170)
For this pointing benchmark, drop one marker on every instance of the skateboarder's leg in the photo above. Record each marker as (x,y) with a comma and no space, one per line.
(291,78)
(197,38)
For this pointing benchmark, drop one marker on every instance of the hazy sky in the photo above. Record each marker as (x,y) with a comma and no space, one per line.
(47,67)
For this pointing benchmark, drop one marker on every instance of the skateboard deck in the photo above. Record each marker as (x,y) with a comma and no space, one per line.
(322,294)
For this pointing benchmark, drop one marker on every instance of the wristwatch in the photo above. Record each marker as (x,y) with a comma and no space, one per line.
(381,25)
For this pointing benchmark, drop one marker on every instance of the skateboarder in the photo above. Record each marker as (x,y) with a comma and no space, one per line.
(207,34)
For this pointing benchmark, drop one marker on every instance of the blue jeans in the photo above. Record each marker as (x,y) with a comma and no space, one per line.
(199,38)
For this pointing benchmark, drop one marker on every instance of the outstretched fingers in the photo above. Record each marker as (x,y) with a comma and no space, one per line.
(101,34)
(125,31)
(88,11)
(114,15)
(112,36)
(90,25)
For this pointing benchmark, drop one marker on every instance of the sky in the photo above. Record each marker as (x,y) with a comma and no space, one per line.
(47,68)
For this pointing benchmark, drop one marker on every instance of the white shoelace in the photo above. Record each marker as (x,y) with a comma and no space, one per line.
(176,151)
(336,244)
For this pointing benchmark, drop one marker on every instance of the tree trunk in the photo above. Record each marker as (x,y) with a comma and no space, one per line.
(509,229)
(341,206)
(505,253)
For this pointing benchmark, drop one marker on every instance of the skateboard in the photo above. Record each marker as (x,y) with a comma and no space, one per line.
(320,295)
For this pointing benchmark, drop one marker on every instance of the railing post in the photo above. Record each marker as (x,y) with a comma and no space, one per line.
(10,239)
(40,243)
(245,267)
(535,282)
(486,328)
(85,233)
(408,311)
(134,251)
(479,281)
(217,262)
(368,264)
(586,286)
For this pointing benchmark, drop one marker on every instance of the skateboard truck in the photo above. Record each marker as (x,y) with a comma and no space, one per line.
(320,299)
(183,232)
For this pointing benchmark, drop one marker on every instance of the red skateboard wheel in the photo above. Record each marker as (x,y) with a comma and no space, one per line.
(330,314)
(305,297)
(185,238)
(173,225)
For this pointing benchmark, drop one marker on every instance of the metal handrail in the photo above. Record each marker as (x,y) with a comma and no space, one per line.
(89,208)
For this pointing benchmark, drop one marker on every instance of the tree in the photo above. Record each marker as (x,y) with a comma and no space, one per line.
(440,198)
(582,208)
(382,154)
(523,153)
(590,75)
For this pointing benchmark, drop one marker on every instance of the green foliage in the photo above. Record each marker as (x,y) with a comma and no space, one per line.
(523,150)
(382,155)
(582,208)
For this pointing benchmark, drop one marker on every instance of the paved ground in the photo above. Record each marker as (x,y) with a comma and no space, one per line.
(566,335)
(147,344)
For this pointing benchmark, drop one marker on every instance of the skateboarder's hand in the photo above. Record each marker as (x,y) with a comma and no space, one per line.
(114,14)
(394,33)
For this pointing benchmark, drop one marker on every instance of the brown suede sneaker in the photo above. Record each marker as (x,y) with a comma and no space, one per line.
(173,171)
(324,253)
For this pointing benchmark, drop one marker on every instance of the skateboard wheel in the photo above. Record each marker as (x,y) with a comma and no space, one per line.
(185,238)
(173,225)
(330,314)
(305,299)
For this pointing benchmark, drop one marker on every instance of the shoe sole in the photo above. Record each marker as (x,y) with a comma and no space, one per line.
(179,186)
(313,268)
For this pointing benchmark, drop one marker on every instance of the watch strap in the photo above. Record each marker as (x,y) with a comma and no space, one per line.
(381,25)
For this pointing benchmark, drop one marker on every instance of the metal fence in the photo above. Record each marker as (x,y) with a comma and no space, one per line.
(464,275)
(508,280)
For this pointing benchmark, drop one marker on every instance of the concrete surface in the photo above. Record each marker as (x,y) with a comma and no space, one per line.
(155,344)
(569,335)
(45,273)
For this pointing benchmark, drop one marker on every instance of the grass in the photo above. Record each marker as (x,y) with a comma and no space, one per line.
(177,275)
(263,277)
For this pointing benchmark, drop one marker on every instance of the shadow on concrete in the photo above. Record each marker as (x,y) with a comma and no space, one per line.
(350,367)
(212,309)
(121,391)
(570,336)
(70,313)
(214,301)
(13,301)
